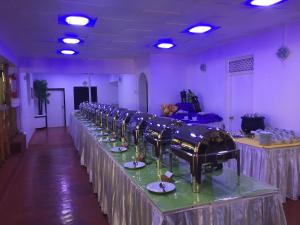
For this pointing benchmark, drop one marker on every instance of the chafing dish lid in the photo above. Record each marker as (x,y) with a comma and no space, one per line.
(159,124)
(139,119)
(204,138)
(115,112)
(125,114)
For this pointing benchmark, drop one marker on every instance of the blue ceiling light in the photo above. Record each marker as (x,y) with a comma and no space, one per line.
(165,44)
(67,52)
(200,28)
(263,3)
(77,20)
(70,40)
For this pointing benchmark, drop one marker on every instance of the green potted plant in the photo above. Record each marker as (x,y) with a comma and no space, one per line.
(40,92)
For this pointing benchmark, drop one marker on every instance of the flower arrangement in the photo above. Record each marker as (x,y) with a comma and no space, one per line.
(169,109)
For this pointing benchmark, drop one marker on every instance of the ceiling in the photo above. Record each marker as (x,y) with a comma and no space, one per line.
(129,28)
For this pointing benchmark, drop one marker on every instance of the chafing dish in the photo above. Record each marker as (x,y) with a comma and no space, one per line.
(99,112)
(122,123)
(159,133)
(88,110)
(136,128)
(104,116)
(112,118)
(205,148)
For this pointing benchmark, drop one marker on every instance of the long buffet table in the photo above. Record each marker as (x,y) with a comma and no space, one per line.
(123,196)
(277,165)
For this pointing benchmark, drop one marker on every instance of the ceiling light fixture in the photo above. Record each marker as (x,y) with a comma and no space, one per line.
(70,40)
(77,20)
(200,28)
(164,44)
(67,52)
(264,2)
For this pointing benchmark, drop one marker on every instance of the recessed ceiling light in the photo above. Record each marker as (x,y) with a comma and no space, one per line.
(67,52)
(77,20)
(200,29)
(165,45)
(70,40)
(264,2)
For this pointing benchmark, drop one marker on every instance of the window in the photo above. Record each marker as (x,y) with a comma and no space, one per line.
(81,94)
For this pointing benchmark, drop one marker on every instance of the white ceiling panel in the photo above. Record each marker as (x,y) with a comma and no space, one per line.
(129,28)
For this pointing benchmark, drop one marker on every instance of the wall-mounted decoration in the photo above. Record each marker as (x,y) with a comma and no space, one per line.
(84,83)
(283,53)
(203,67)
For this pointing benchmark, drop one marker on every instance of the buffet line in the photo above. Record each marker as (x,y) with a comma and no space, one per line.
(164,171)
(204,148)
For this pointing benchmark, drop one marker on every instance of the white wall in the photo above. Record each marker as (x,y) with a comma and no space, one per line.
(66,65)
(26,106)
(166,78)
(105,90)
(142,66)
(7,54)
(275,83)
(127,89)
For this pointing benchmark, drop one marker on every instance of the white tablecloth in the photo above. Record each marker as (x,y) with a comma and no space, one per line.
(279,167)
(126,204)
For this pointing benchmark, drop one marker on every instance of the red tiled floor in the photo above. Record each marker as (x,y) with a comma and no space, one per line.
(48,185)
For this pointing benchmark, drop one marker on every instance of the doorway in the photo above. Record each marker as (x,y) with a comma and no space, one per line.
(56,108)
(240,99)
(143,93)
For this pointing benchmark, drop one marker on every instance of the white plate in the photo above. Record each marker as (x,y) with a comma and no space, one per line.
(156,188)
(94,129)
(106,140)
(102,134)
(132,165)
(118,149)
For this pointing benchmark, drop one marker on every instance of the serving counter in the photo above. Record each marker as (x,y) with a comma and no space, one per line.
(123,196)
(277,165)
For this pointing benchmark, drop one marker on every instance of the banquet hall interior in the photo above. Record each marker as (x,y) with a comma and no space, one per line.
(162,112)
